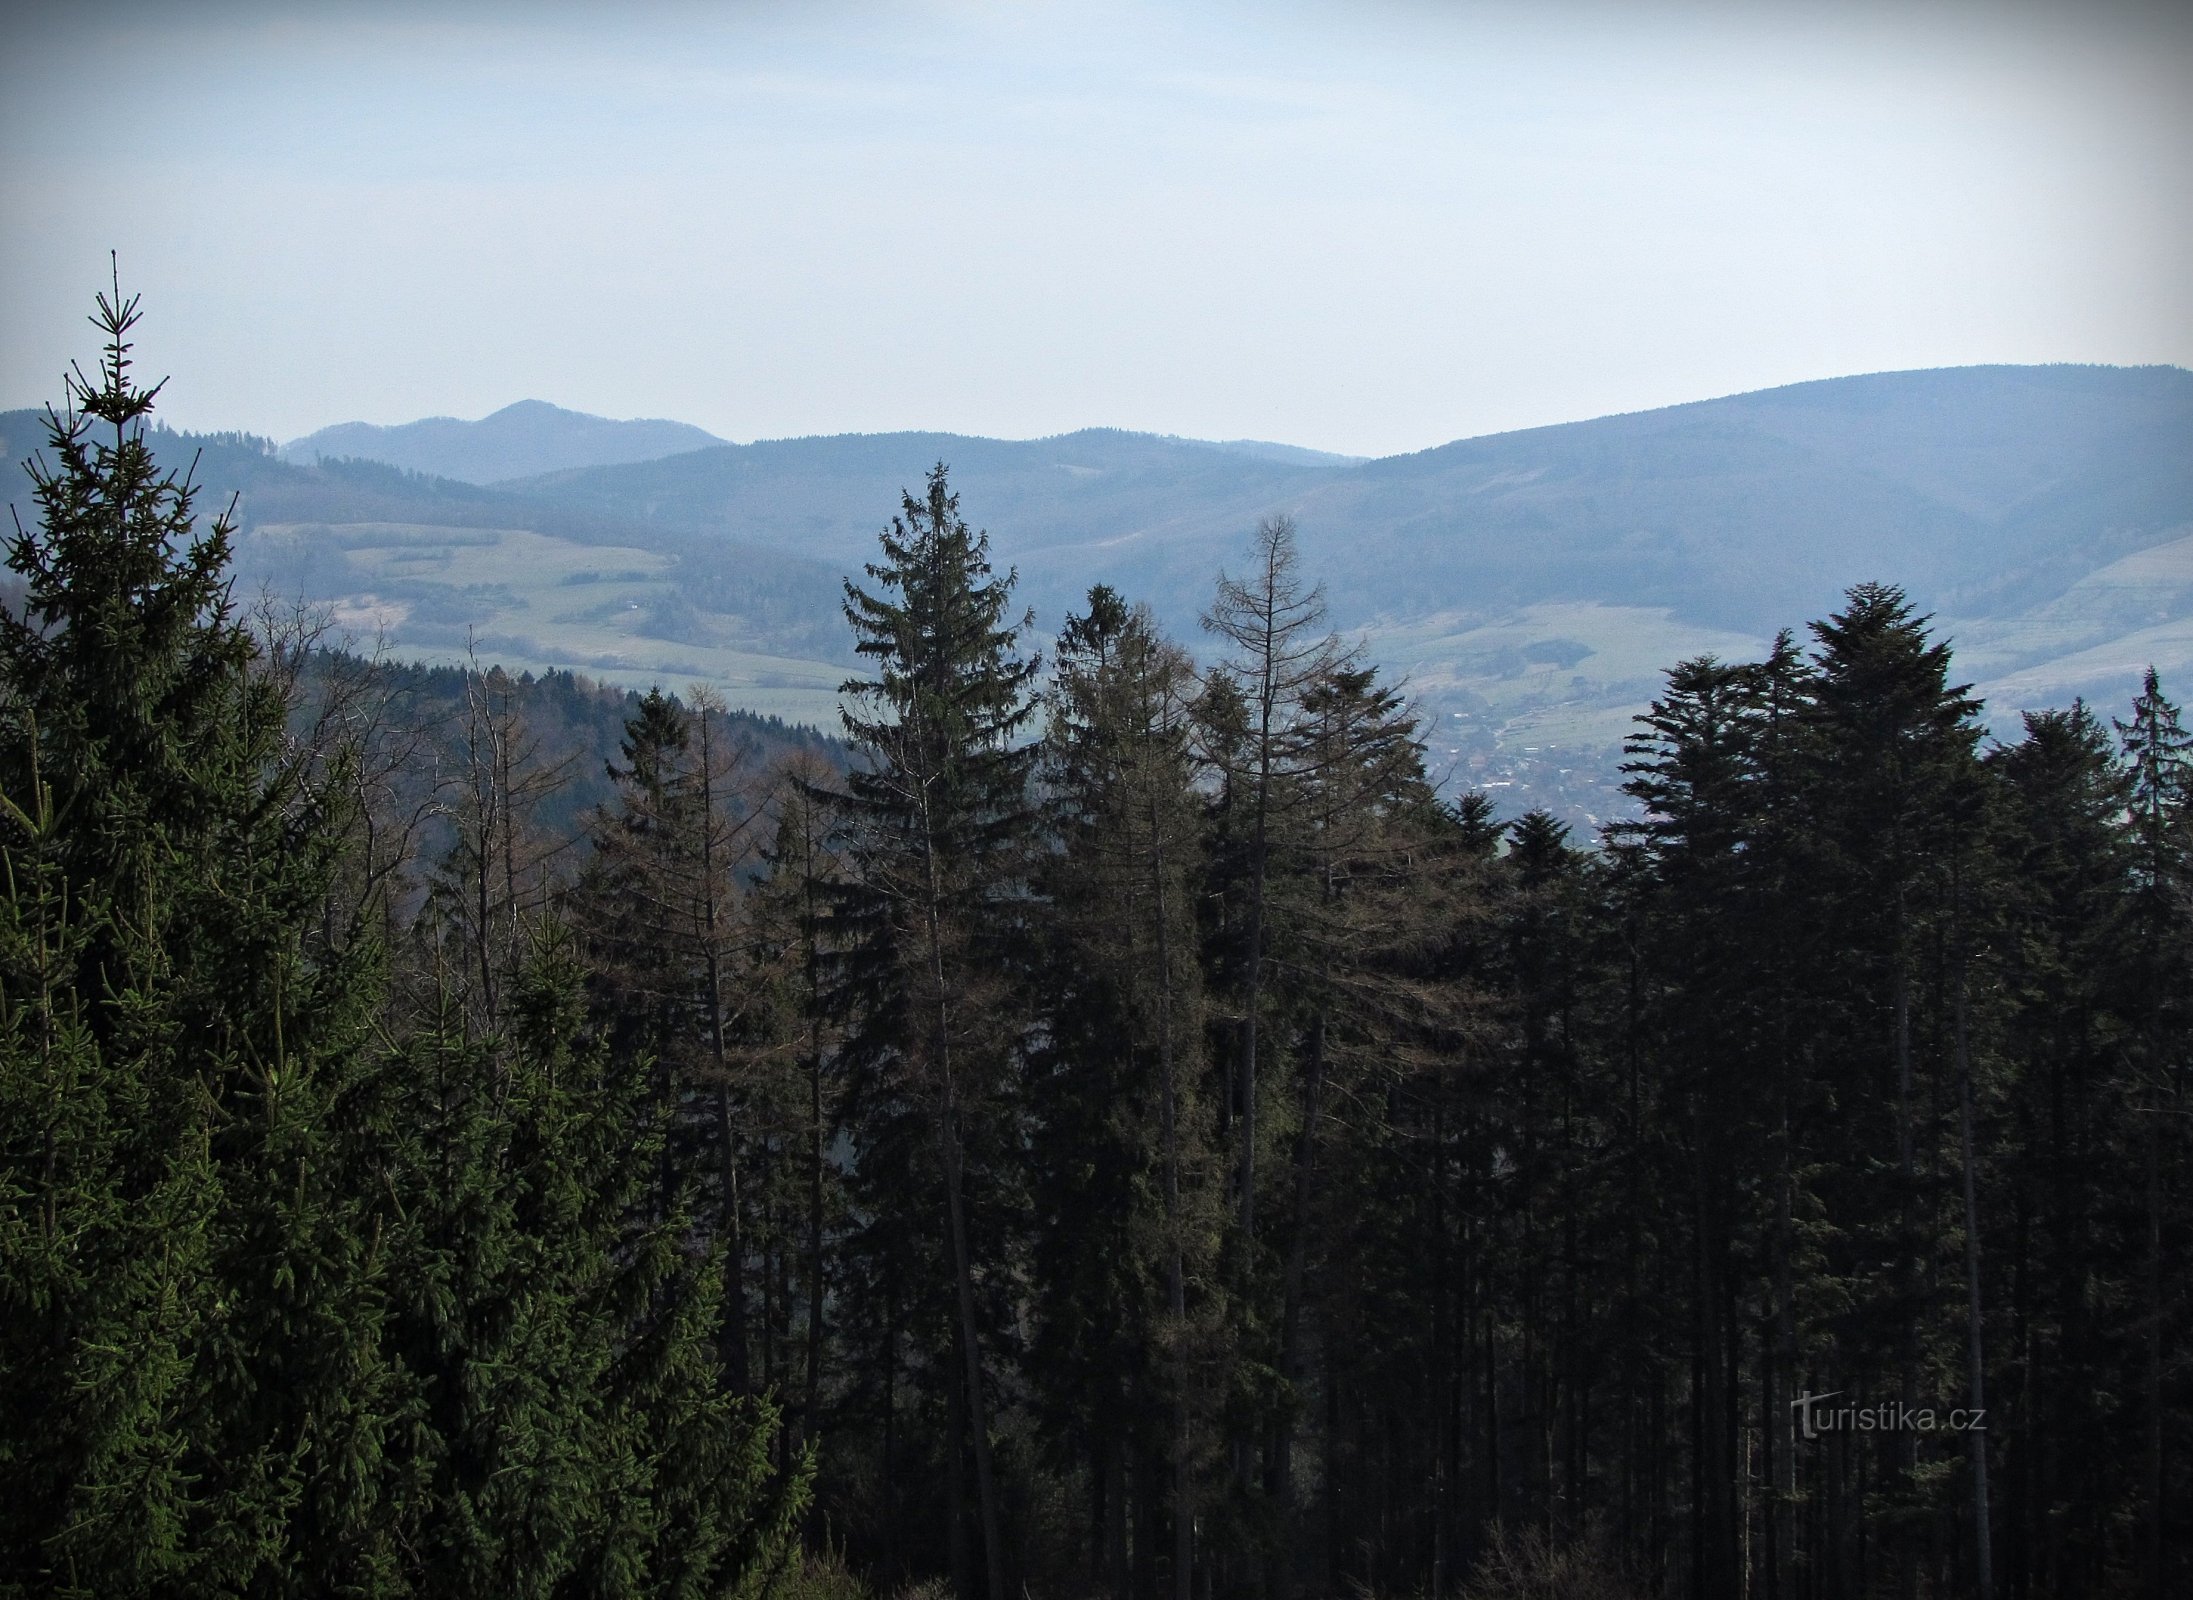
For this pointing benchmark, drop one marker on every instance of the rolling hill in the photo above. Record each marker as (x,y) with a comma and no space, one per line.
(1534,584)
(1985,489)
(436,570)
(518,441)
(1531,585)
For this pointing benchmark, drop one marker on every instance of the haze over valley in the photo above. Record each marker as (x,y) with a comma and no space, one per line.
(1532,587)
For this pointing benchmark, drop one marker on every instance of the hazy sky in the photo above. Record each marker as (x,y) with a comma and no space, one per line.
(1363,226)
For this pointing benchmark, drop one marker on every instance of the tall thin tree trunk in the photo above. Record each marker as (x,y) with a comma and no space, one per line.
(1705,1391)
(486,797)
(1782,1545)
(2154,831)
(1442,1317)
(890,1427)
(1976,1439)
(955,1482)
(1907,1257)
(727,1146)
(1252,1004)
(978,1423)
(2153,1551)
(817,1129)
(813,1400)
(1290,1326)
(734,1252)
(948,1139)
(1252,1008)
(508,795)
(1259,857)
(1176,1277)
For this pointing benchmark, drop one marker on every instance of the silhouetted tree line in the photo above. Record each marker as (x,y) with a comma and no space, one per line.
(1125,1133)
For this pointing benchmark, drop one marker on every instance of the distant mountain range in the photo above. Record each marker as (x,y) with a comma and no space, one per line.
(1532,586)
(1984,489)
(516,442)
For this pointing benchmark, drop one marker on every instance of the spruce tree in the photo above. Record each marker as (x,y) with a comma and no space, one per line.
(2062,937)
(299,1294)
(570,1429)
(2160,753)
(940,826)
(1363,872)
(189,1298)
(1127,1180)
(1894,745)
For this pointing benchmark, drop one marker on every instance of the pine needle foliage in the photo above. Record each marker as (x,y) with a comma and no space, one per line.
(941,825)
(300,1294)
(191,1369)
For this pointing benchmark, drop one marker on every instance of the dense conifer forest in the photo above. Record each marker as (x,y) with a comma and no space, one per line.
(1111,1126)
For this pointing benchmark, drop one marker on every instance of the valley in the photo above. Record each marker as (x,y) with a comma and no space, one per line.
(1531,588)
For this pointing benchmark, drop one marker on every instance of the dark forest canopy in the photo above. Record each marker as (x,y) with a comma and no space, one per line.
(1111,1127)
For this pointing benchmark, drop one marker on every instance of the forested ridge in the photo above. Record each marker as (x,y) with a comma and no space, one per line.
(1112,1127)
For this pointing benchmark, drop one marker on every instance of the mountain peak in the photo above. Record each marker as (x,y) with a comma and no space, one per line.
(524,439)
(537,408)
